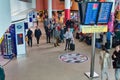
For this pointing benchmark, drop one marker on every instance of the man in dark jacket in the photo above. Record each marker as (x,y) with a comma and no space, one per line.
(37,34)
(29,35)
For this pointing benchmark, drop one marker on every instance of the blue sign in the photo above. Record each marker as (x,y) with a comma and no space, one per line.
(105,11)
(91,13)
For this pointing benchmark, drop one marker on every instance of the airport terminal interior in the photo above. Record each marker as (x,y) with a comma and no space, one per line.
(50,60)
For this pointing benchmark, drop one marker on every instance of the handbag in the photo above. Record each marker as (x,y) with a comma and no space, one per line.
(116,64)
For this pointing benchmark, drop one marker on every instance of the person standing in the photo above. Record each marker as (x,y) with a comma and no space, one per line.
(69,36)
(45,22)
(116,62)
(62,34)
(29,35)
(108,39)
(56,36)
(37,34)
(48,33)
(105,63)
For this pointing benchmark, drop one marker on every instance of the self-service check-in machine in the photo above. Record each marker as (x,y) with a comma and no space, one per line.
(20,38)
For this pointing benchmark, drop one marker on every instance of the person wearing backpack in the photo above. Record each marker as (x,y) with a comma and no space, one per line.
(116,62)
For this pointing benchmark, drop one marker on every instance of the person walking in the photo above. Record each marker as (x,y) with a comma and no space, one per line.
(29,35)
(37,34)
(116,62)
(69,36)
(105,63)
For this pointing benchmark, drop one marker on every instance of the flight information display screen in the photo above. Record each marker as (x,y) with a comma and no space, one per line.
(104,13)
(91,13)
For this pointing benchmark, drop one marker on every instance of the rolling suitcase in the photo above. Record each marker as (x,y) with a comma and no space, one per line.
(98,45)
(72,46)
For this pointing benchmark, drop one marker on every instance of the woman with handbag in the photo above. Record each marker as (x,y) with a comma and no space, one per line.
(116,62)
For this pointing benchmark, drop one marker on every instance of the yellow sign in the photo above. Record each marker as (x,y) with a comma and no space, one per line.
(94,29)
(1,39)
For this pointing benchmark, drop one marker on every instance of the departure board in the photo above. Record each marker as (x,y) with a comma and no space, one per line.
(91,13)
(104,13)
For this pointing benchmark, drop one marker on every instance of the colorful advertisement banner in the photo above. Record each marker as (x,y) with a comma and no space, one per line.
(94,29)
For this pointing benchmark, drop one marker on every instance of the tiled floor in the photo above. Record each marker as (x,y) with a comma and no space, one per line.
(42,63)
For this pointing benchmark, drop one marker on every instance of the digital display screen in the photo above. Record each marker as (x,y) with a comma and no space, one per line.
(20,38)
(91,13)
(105,11)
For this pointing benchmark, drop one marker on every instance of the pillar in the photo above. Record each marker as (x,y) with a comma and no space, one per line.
(5,17)
(111,23)
(67,9)
(33,3)
(50,9)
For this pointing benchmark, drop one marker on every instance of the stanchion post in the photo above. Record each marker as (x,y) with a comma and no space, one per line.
(92,57)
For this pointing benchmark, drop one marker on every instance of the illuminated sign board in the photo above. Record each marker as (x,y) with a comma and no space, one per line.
(91,13)
(104,13)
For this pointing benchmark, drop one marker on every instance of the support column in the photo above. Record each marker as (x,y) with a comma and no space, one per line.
(67,9)
(111,22)
(50,9)
(5,17)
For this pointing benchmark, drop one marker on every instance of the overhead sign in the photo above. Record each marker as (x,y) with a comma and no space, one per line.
(94,29)
(91,13)
(104,13)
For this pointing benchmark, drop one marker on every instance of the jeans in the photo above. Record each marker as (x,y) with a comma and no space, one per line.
(67,46)
(30,42)
(37,38)
(103,73)
(117,74)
